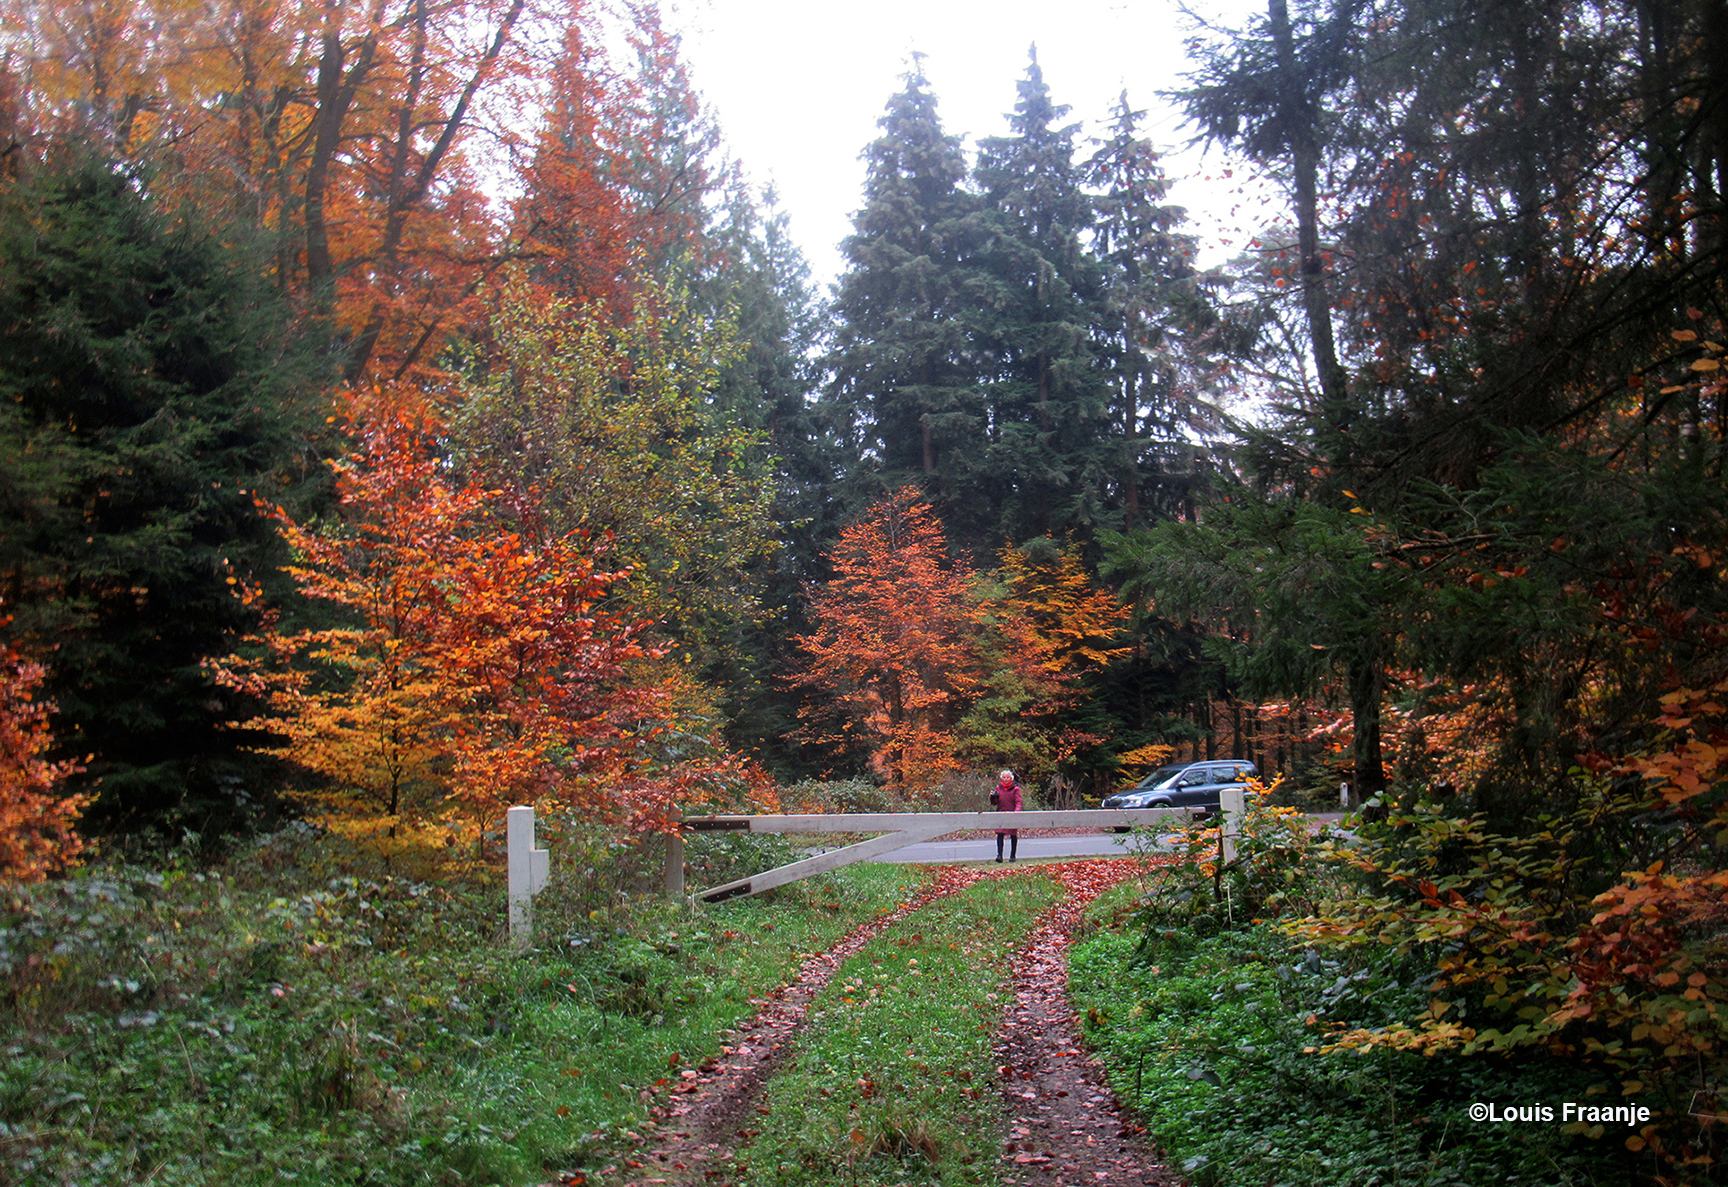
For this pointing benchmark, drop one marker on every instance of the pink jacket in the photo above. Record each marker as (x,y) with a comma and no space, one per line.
(1008,800)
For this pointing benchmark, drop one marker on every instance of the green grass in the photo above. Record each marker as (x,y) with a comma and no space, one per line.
(894,1078)
(1214,1042)
(284,1021)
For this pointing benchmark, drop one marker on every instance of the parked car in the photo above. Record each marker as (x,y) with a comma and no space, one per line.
(1185,785)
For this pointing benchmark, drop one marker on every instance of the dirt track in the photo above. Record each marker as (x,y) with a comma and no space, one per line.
(1061,1124)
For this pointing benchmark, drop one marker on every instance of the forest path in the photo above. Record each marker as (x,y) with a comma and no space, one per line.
(1062,1124)
(711,1113)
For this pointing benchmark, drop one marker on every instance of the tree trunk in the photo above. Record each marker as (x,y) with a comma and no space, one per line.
(1369,776)
(1301,122)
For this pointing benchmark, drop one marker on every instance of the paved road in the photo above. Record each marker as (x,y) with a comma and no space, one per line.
(984,849)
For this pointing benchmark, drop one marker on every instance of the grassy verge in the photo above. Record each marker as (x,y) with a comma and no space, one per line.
(1214,1040)
(894,1080)
(284,1021)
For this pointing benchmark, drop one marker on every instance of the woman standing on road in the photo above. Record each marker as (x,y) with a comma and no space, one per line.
(1006,796)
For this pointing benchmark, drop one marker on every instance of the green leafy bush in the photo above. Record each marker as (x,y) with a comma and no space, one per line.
(1214,1041)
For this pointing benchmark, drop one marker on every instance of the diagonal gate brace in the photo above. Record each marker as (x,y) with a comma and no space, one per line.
(823,862)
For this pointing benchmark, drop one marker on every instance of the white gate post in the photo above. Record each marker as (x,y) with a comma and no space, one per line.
(1233,804)
(528,870)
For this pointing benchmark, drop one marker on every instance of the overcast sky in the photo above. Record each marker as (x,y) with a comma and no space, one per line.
(798,87)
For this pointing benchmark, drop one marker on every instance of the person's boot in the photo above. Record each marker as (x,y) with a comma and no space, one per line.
(1013,848)
(998,848)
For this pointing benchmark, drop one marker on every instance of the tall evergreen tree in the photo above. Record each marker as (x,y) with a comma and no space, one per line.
(1158,334)
(148,393)
(1045,468)
(1509,256)
(905,384)
(760,279)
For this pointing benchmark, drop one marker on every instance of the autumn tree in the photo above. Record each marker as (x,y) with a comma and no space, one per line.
(36,814)
(484,658)
(615,429)
(1047,627)
(625,166)
(895,649)
(340,129)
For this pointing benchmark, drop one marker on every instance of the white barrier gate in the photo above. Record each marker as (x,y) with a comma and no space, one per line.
(529,867)
(901,829)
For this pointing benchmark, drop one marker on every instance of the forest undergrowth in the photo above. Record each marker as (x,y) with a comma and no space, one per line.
(304,1014)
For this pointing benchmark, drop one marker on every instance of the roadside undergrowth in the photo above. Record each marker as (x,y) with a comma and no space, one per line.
(279,1020)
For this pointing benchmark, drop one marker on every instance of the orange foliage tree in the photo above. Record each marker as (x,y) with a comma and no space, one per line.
(484,660)
(338,128)
(1047,624)
(930,665)
(621,168)
(896,655)
(36,821)
(1538,948)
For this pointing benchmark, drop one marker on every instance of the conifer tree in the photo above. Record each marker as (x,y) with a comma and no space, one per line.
(1158,334)
(1046,468)
(904,384)
(760,279)
(148,389)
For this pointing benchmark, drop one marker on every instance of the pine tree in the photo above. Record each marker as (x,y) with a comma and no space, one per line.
(905,387)
(1042,466)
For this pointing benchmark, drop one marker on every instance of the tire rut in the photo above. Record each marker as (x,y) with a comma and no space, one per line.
(712,1110)
(1064,1126)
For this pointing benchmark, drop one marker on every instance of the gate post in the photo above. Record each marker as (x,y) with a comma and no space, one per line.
(1233,803)
(528,870)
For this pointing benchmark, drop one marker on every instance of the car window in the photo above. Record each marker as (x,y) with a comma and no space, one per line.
(1161,775)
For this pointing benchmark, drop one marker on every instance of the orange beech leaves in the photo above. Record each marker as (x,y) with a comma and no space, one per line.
(896,644)
(1634,978)
(337,128)
(36,821)
(483,662)
(620,168)
(929,664)
(361,139)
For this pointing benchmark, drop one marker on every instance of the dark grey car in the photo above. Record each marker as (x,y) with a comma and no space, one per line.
(1185,785)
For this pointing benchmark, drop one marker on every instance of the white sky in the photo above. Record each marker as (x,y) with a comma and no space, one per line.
(798,87)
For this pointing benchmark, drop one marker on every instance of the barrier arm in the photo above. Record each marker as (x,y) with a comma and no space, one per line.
(900,829)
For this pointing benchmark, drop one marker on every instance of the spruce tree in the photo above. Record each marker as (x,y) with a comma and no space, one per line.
(760,279)
(1042,465)
(1158,335)
(905,383)
(149,391)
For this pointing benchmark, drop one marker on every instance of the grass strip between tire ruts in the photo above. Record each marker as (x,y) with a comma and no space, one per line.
(894,1079)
